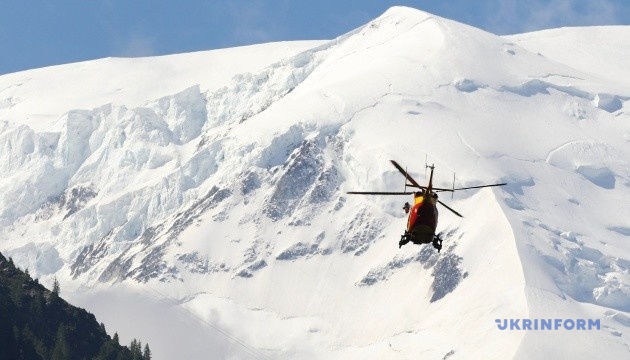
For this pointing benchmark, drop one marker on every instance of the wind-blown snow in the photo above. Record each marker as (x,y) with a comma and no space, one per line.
(225,199)
(595,50)
(38,97)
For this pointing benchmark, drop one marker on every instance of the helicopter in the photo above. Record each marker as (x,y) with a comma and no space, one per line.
(423,215)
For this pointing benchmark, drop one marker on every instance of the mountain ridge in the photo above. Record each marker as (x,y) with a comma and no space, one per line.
(233,198)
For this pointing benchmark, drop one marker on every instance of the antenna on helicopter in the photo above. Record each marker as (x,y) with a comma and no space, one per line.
(426,163)
(406,179)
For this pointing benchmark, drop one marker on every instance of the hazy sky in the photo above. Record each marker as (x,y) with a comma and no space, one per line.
(37,33)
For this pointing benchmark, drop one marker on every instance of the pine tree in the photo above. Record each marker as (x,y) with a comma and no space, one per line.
(136,349)
(147,353)
(116,339)
(61,350)
(56,289)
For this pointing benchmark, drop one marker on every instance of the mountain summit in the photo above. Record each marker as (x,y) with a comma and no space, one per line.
(226,198)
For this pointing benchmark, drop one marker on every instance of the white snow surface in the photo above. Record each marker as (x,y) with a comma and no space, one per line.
(197,201)
(39,97)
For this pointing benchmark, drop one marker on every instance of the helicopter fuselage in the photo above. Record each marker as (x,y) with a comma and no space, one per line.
(423,218)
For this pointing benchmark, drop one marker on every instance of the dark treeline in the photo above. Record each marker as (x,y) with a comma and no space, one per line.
(37,324)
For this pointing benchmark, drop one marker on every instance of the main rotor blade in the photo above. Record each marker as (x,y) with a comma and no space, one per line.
(478,187)
(453,211)
(440,189)
(380,192)
(407,176)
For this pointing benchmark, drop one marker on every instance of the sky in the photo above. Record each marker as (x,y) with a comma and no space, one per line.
(39,33)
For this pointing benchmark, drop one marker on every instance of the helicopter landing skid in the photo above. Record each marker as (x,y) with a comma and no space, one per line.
(406,237)
(437,242)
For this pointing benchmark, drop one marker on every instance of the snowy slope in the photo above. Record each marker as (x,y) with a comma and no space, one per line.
(39,97)
(223,207)
(596,50)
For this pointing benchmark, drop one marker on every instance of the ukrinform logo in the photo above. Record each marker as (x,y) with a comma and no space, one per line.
(547,324)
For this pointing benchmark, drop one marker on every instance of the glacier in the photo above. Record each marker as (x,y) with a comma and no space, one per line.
(198,200)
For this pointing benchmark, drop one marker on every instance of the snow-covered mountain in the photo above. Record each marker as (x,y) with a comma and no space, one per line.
(198,200)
